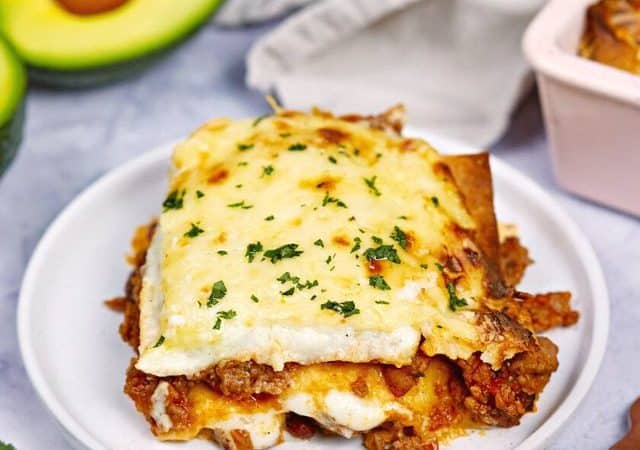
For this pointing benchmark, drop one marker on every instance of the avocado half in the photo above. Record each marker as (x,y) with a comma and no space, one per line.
(64,48)
(13,83)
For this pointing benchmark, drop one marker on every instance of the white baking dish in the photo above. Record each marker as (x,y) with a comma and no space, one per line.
(591,110)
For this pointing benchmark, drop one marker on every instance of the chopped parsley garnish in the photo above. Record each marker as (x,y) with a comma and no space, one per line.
(356,245)
(288,291)
(174,200)
(454,300)
(226,315)
(381,302)
(403,217)
(240,205)
(424,266)
(259,119)
(400,237)
(254,299)
(347,309)
(328,199)
(371,184)
(243,163)
(218,291)
(269,218)
(376,239)
(319,243)
(297,147)
(252,250)
(222,252)
(330,258)
(159,342)
(435,201)
(387,252)
(285,277)
(199,193)
(333,160)
(238,186)
(352,218)
(282,252)
(267,170)
(245,147)
(378,282)
(194,231)
(439,266)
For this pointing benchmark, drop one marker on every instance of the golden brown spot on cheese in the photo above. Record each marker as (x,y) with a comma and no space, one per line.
(332,135)
(221,238)
(281,125)
(325,183)
(359,386)
(341,239)
(296,221)
(375,266)
(408,145)
(318,112)
(218,175)
(411,240)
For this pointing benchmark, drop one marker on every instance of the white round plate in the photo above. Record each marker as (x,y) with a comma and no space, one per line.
(76,361)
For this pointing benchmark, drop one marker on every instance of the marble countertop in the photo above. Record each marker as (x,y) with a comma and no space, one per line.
(73,137)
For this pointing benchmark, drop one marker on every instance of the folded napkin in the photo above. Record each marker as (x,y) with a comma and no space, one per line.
(456,64)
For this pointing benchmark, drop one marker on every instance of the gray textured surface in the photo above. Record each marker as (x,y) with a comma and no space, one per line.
(74,137)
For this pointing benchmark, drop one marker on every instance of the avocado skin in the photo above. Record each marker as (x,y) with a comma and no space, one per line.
(112,73)
(11,137)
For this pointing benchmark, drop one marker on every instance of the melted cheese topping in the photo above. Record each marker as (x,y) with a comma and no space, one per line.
(307,239)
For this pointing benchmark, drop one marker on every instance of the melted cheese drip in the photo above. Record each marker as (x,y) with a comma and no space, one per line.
(288,169)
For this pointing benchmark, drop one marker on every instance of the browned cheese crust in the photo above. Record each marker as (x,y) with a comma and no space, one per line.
(612,34)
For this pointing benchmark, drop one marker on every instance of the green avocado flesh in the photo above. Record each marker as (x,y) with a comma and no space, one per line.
(61,46)
(12,88)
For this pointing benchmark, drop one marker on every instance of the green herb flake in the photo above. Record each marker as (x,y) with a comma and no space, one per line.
(347,309)
(199,193)
(194,231)
(378,282)
(175,200)
(356,246)
(328,200)
(319,243)
(282,252)
(285,135)
(245,147)
(381,302)
(403,218)
(254,299)
(435,201)
(243,163)
(352,218)
(298,147)
(387,252)
(226,315)
(218,291)
(333,160)
(376,239)
(159,342)
(455,301)
(424,266)
(286,277)
(222,252)
(267,170)
(269,218)
(260,119)
(371,184)
(240,205)
(253,249)
(288,291)
(238,186)
(439,266)
(400,237)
